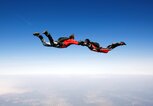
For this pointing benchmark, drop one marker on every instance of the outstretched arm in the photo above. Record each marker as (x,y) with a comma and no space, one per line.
(82,43)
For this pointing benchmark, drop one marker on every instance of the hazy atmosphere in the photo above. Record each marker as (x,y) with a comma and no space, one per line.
(34,75)
(91,90)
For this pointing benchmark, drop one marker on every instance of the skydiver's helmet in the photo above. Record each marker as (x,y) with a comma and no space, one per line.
(87,41)
(71,36)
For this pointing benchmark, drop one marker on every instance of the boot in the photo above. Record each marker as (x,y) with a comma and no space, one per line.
(46,33)
(36,34)
(122,43)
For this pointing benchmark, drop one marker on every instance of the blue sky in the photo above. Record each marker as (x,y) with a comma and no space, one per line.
(104,21)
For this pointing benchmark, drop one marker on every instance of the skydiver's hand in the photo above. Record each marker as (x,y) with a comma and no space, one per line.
(81,43)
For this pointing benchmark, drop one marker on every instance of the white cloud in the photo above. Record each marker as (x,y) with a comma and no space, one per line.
(9,89)
(97,100)
(55,101)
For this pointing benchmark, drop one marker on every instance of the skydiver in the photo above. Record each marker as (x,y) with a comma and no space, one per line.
(94,46)
(62,42)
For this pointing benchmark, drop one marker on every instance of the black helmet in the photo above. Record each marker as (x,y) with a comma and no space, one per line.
(71,36)
(87,40)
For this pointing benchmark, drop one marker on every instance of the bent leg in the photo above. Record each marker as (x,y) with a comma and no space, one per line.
(112,46)
(49,37)
(37,34)
(43,41)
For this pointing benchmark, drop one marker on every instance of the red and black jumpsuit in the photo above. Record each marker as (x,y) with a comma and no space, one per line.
(95,47)
(68,42)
